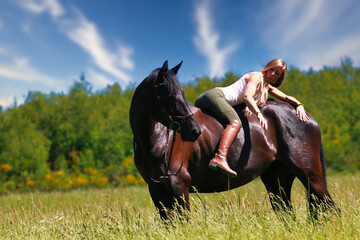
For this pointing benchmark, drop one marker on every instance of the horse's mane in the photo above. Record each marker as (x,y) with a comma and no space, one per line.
(146,87)
(148,80)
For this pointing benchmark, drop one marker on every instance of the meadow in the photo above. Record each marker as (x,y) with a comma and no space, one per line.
(128,213)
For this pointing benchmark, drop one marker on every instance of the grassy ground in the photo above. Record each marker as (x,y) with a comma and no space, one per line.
(128,213)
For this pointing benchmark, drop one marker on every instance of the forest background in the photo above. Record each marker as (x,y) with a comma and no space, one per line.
(83,138)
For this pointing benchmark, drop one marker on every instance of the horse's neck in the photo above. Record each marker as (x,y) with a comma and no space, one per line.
(139,118)
(141,123)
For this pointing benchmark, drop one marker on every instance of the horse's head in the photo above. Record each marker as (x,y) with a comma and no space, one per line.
(169,98)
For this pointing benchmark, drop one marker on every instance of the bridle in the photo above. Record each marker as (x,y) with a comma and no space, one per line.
(176,122)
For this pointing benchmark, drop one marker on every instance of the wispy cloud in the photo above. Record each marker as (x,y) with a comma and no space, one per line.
(305,21)
(40,6)
(330,54)
(207,41)
(10,101)
(97,79)
(85,34)
(20,69)
(302,30)
(115,61)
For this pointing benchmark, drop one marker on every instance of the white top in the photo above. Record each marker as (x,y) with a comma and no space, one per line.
(234,93)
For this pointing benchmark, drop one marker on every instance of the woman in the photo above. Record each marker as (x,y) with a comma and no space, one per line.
(251,89)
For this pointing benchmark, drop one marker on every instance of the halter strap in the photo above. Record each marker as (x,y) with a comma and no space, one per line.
(174,125)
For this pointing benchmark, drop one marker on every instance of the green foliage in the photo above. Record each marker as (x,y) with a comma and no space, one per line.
(67,134)
(23,146)
(72,133)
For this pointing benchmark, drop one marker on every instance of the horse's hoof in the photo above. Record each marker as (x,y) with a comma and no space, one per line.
(213,166)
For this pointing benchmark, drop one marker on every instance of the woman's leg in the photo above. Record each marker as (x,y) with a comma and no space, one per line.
(214,102)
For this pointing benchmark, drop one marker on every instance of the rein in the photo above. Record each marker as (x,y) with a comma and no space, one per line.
(175,125)
(166,176)
(167,166)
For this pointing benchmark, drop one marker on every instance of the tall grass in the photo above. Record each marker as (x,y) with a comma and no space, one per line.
(128,213)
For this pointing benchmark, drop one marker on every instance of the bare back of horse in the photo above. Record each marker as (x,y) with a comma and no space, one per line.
(287,142)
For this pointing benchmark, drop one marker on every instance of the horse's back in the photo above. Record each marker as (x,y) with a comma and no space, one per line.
(254,149)
(241,158)
(290,129)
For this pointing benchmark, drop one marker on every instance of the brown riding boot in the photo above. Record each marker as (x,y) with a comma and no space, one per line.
(219,161)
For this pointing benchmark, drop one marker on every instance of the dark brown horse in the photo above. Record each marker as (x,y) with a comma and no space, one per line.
(174,142)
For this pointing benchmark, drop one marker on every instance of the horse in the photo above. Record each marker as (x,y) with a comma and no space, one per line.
(174,142)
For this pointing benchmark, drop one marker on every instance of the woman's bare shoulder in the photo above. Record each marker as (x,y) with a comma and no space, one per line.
(255,77)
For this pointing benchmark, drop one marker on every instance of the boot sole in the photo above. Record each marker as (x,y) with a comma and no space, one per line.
(215,167)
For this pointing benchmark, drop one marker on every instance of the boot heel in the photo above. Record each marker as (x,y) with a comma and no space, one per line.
(213,166)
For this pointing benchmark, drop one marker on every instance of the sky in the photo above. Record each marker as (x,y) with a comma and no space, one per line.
(46,45)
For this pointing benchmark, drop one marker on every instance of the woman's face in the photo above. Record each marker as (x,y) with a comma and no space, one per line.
(273,74)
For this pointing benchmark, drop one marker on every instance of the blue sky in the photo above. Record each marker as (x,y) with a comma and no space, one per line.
(46,44)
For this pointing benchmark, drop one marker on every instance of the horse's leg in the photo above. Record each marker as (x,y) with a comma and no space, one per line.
(161,199)
(310,170)
(180,187)
(172,195)
(318,195)
(278,181)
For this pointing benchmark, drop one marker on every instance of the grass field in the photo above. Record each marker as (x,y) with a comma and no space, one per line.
(128,213)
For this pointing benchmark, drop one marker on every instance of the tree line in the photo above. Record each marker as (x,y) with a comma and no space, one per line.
(83,138)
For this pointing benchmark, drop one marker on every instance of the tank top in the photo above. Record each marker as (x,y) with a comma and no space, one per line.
(234,93)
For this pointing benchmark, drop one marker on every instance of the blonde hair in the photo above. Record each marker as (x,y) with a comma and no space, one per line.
(273,64)
(262,89)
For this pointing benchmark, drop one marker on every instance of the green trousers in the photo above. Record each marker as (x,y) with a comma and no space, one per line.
(213,101)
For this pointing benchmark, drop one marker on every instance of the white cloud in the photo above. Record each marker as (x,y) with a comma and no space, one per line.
(331,54)
(39,6)
(305,21)
(207,41)
(27,27)
(19,68)
(124,54)
(5,103)
(302,31)
(85,34)
(97,79)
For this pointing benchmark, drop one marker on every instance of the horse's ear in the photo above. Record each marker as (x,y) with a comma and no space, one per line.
(165,66)
(176,68)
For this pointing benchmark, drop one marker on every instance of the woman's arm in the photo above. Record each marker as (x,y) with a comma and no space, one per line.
(253,79)
(300,110)
(282,96)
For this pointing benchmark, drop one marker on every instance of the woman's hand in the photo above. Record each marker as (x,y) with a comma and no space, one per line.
(300,111)
(262,120)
